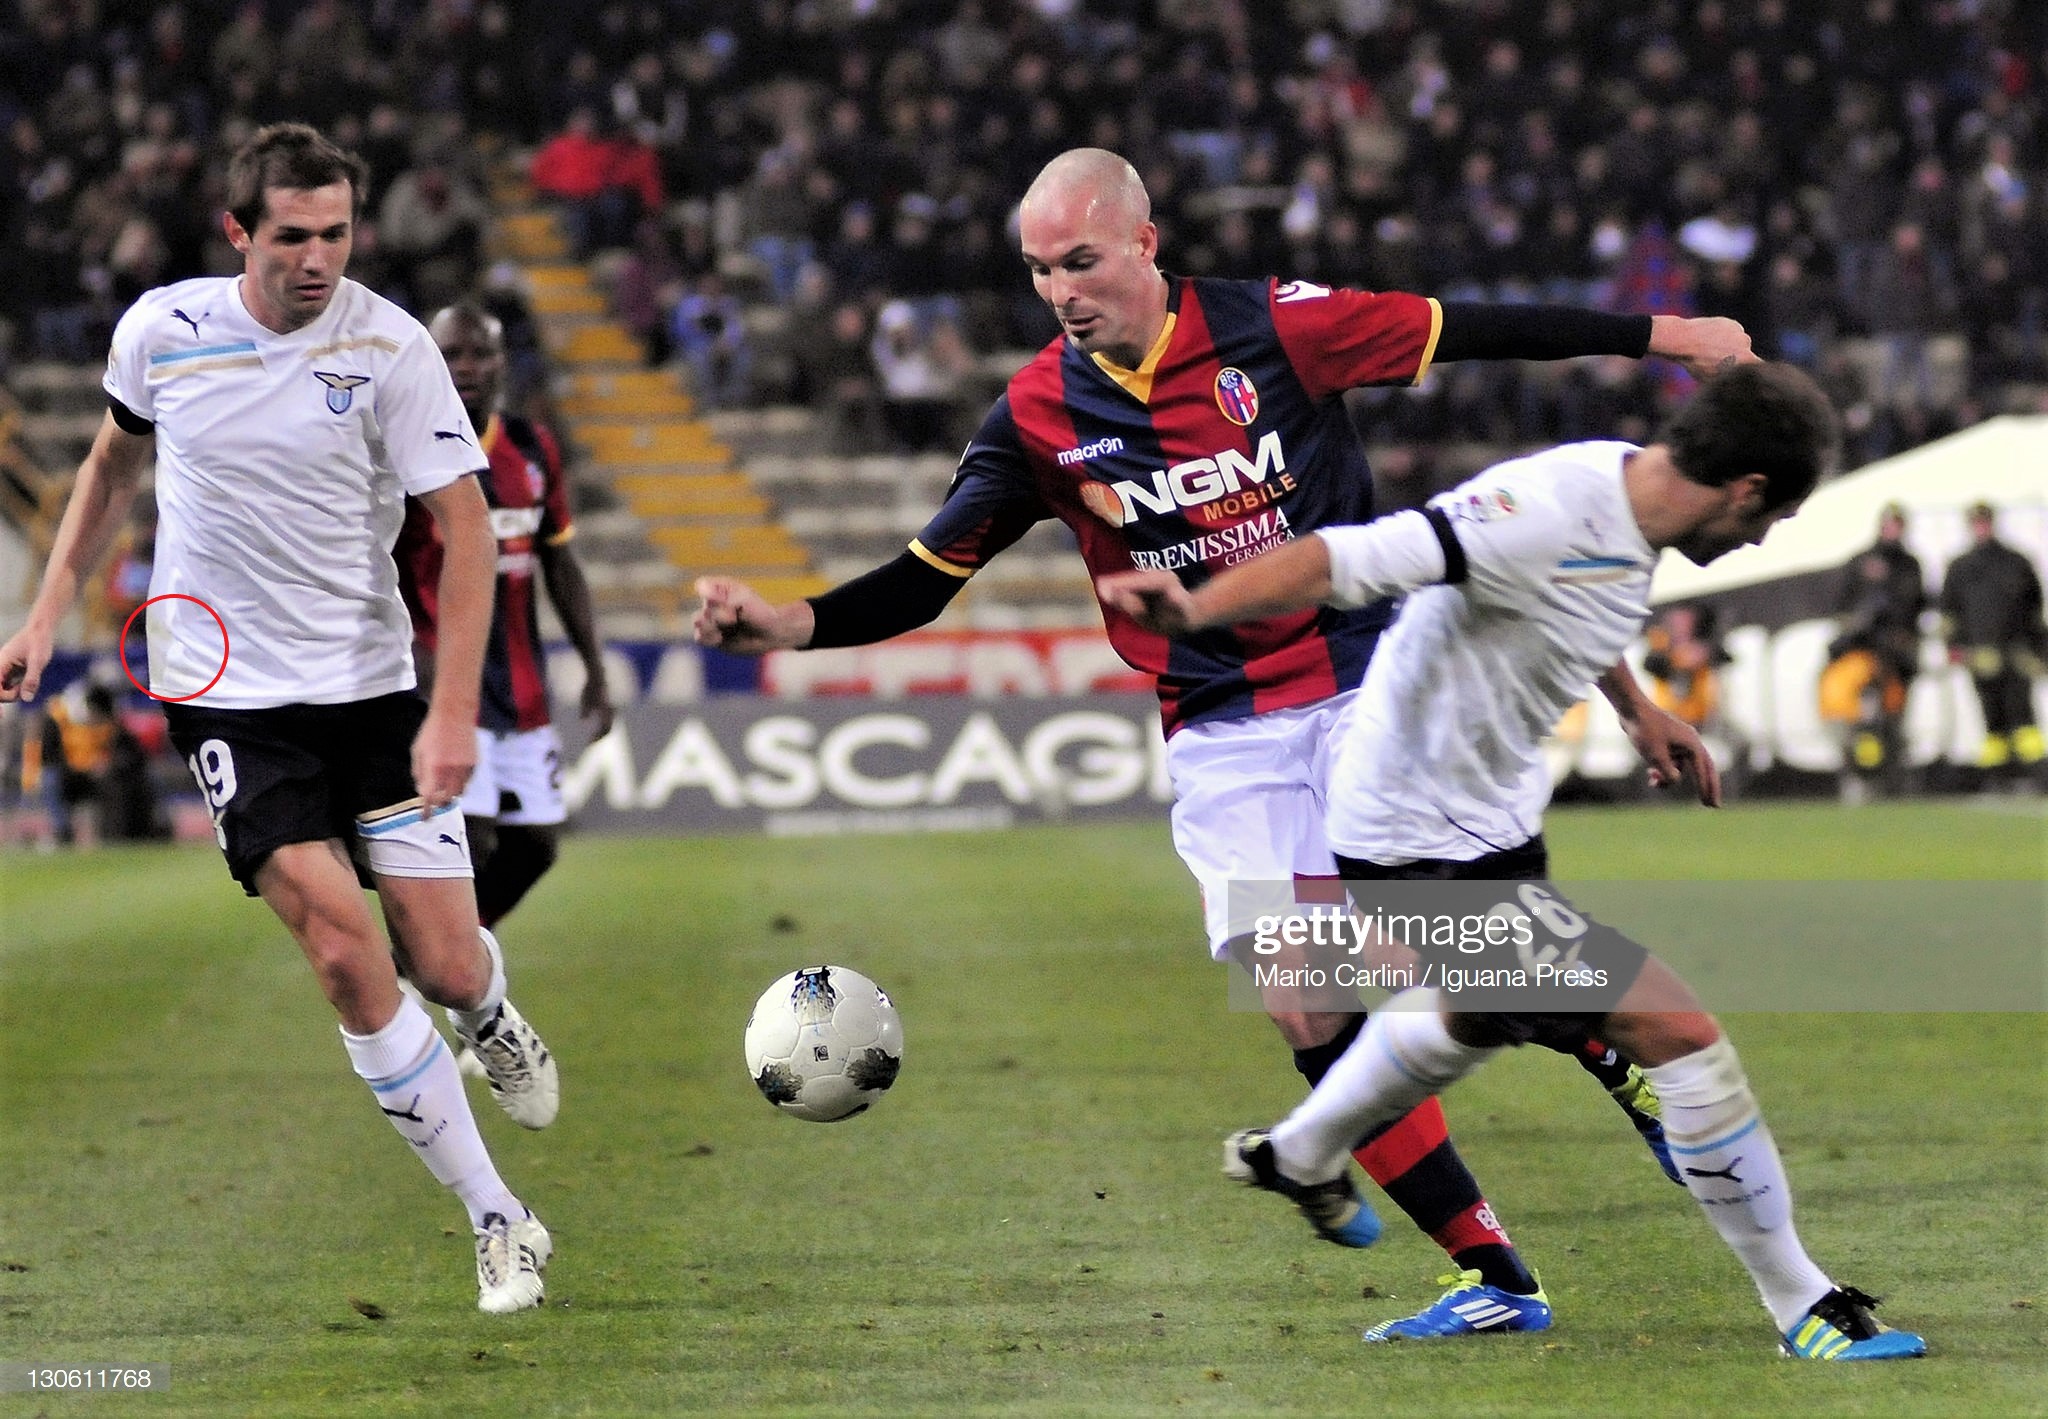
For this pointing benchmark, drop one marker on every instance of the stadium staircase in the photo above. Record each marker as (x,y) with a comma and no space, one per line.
(50,413)
(758,493)
(675,504)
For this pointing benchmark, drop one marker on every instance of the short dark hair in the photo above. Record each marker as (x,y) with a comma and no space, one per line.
(295,155)
(1757,418)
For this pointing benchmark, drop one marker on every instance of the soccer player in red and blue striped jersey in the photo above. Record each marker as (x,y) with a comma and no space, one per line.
(513,803)
(1187,425)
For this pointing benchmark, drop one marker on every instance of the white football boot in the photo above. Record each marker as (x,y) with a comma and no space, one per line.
(523,1076)
(510,1260)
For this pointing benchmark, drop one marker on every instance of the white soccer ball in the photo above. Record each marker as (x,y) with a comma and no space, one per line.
(824,1043)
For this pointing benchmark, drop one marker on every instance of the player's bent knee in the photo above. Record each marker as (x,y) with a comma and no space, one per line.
(435,924)
(458,983)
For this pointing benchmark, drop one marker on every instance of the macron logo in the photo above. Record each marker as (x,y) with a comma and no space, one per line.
(1068,457)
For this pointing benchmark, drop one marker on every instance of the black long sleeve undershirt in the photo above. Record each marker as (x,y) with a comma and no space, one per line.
(895,597)
(1537,332)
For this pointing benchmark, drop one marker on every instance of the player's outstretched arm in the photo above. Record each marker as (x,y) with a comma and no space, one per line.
(1476,331)
(1672,748)
(895,597)
(99,503)
(1290,578)
(569,590)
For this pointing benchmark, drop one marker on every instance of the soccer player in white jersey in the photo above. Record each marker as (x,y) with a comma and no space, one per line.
(1524,585)
(290,410)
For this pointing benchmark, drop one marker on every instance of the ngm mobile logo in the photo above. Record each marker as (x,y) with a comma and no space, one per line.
(1214,489)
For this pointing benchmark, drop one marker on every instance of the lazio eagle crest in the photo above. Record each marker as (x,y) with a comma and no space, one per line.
(341,388)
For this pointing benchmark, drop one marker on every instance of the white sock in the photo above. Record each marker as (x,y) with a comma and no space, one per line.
(1731,1165)
(420,1090)
(1402,1056)
(480,1014)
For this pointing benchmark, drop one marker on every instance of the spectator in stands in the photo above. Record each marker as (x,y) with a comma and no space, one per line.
(1875,655)
(709,328)
(76,763)
(835,373)
(1991,607)
(431,229)
(777,216)
(1907,299)
(920,363)
(647,287)
(857,264)
(604,179)
(1683,661)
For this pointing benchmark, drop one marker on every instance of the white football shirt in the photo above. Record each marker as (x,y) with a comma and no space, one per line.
(1442,757)
(282,465)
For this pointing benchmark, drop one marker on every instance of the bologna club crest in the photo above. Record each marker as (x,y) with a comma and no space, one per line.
(1237,397)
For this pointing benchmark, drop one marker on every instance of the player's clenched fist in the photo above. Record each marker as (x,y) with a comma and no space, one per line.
(734,617)
(1705,345)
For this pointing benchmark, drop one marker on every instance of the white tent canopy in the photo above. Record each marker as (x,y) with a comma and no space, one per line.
(2003,461)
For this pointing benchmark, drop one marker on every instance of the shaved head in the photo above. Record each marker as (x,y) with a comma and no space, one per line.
(472,341)
(1086,229)
(469,319)
(1090,182)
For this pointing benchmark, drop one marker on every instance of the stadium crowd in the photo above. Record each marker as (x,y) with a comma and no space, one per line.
(1861,182)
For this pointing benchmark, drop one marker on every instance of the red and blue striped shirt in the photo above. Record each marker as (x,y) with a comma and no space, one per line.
(1228,440)
(529,500)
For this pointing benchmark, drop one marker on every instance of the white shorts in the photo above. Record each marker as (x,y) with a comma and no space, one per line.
(1248,806)
(518,778)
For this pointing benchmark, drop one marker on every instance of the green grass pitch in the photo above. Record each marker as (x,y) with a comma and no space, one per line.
(1031,1223)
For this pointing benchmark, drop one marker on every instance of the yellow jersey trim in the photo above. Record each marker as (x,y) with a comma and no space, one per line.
(926,554)
(1436,330)
(1138,382)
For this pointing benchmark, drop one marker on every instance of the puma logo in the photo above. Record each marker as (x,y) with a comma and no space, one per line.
(440,434)
(192,321)
(450,841)
(1727,1172)
(410,1111)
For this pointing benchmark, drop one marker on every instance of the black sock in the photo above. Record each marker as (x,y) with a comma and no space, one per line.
(1315,1061)
(1596,1059)
(1497,1266)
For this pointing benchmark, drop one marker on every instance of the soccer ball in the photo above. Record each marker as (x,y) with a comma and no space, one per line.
(824,1043)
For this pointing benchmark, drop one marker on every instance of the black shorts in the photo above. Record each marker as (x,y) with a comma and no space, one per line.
(1585,943)
(296,773)
(1528,862)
